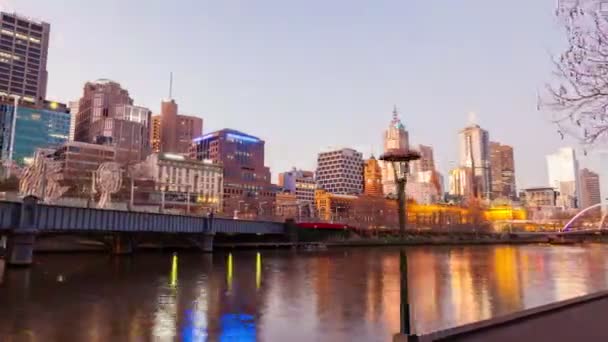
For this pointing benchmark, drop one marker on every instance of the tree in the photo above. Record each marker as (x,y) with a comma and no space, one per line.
(578,96)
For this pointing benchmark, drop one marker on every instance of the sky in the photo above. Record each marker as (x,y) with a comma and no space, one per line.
(307,75)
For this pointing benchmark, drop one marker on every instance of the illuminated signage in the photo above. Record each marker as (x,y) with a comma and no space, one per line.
(204,137)
(231,136)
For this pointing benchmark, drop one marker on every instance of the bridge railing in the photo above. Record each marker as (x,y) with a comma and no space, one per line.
(53,218)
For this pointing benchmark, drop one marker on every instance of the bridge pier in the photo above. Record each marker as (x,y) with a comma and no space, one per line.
(207,243)
(20,247)
(20,242)
(291,230)
(122,244)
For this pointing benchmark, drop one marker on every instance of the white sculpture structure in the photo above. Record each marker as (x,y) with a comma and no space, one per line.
(107,180)
(42,179)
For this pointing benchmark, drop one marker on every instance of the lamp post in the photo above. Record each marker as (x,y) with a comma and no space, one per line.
(400,159)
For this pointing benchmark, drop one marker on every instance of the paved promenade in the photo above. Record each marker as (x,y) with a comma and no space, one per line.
(580,319)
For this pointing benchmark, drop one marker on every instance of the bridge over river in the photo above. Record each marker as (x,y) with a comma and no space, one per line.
(21,222)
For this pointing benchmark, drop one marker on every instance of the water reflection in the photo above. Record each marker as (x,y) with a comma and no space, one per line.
(337,295)
(2,267)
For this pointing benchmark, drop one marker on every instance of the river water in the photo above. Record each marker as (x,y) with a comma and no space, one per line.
(349,294)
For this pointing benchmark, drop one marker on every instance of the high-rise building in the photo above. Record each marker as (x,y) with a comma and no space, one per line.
(247,187)
(74,108)
(34,128)
(299,182)
(373,178)
(106,115)
(426,162)
(475,154)
(24,45)
(563,174)
(395,138)
(340,172)
(172,132)
(460,182)
(99,100)
(502,171)
(590,188)
(424,184)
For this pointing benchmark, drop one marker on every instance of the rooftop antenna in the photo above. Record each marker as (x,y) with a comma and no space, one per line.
(171,85)
(395,112)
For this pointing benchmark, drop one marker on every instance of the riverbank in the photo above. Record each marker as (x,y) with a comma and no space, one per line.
(66,244)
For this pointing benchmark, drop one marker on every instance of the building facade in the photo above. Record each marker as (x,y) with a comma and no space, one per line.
(540,197)
(474,145)
(172,132)
(590,188)
(334,207)
(24,45)
(248,191)
(155,134)
(373,178)
(78,163)
(426,162)
(106,115)
(34,128)
(424,183)
(299,182)
(502,171)
(74,108)
(395,138)
(563,172)
(189,185)
(340,172)
(460,180)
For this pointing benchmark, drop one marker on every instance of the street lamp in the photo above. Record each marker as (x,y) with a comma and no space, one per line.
(400,159)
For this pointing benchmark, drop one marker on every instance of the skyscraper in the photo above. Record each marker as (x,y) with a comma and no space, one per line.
(106,115)
(563,175)
(340,172)
(424,185)
(173,132)
(503,171)
(460,182)
(395,137)
(74,108)
(24,45)
(590,188)
(373,178)
(247,186)
(426,162)
(475,154)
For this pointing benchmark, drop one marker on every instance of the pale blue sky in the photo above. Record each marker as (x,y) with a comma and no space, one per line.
(304,75)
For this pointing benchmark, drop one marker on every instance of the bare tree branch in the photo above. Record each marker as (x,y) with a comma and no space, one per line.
(578,95)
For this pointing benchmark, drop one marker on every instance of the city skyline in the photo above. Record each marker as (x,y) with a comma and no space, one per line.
(226,91)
